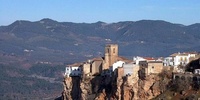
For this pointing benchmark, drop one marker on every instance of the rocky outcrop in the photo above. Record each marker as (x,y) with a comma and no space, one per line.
(147,88)
(67,83)
(113,88)
(77,88)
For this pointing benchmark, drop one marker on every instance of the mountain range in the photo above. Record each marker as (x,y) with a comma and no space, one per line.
(48,40)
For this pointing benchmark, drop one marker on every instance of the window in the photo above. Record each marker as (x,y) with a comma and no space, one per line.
(113,50)
(108,50)
(181,59)
(152,67)
(185,59)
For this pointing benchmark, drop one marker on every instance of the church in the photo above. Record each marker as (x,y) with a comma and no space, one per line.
(96,66)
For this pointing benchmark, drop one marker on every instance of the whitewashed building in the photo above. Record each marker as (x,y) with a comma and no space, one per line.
(73,70)
(177,59)
(138,59)
(168,61)
(117,64)
(130,69)
(180,58)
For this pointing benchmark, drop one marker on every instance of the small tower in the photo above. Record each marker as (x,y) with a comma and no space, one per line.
(111,54)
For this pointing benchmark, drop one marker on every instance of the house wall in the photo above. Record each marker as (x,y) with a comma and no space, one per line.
(181,60)
(168,61)
(136,69)
(154,67)
(67,71)
(76,71)
(143,64)
(86,68)
(117,64)
(138,59)
(120,72)
(167,68)
(73,71)
(143,69)
(96,67)
(193,57)
(131,69)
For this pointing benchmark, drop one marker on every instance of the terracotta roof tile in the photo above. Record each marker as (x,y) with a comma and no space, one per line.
(149,58)
(120,58)
(76,64)
(98,58)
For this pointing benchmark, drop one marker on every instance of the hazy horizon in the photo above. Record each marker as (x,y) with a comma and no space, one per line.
(174,11)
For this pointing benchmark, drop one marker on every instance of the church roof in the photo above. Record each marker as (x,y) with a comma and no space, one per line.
(120,58)
(98,59)
(76,64)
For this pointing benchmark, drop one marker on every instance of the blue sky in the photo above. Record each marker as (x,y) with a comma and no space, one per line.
(175,11)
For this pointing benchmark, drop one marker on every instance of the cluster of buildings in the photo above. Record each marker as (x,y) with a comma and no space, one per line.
(111,63)
(177,59)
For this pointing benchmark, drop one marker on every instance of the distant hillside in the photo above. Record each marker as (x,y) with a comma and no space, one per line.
(38,83)
(49,40)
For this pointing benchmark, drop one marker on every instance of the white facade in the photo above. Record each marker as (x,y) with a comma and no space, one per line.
(117,64)
(138,59)
(128,69)
(183,58)
(168,61)
(73,71)
(178,59)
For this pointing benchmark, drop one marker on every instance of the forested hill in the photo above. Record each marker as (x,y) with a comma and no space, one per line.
(50,40)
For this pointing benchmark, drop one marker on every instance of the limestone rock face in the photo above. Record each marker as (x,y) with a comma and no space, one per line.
(112,88)
(66,95)
(77,88)
(149,88)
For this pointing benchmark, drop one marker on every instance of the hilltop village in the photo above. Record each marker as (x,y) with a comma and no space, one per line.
(139,74)
(111,61)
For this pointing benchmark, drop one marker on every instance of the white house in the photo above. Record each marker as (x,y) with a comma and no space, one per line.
(113,68)
(182,58)
(138,59)
(117,64)
(130,69)
(168,61)
(177,59)
(73,70)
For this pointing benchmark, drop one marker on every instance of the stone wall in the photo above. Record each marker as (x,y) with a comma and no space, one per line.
(154,67)
(86,68)
(96,67)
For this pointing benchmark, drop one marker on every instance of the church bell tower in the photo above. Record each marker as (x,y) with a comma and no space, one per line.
(111,54)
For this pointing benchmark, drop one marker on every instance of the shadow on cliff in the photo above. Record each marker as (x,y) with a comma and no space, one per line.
(107,85)
(102,84)
(76,91)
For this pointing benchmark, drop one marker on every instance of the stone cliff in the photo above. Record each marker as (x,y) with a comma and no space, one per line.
(113,88)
